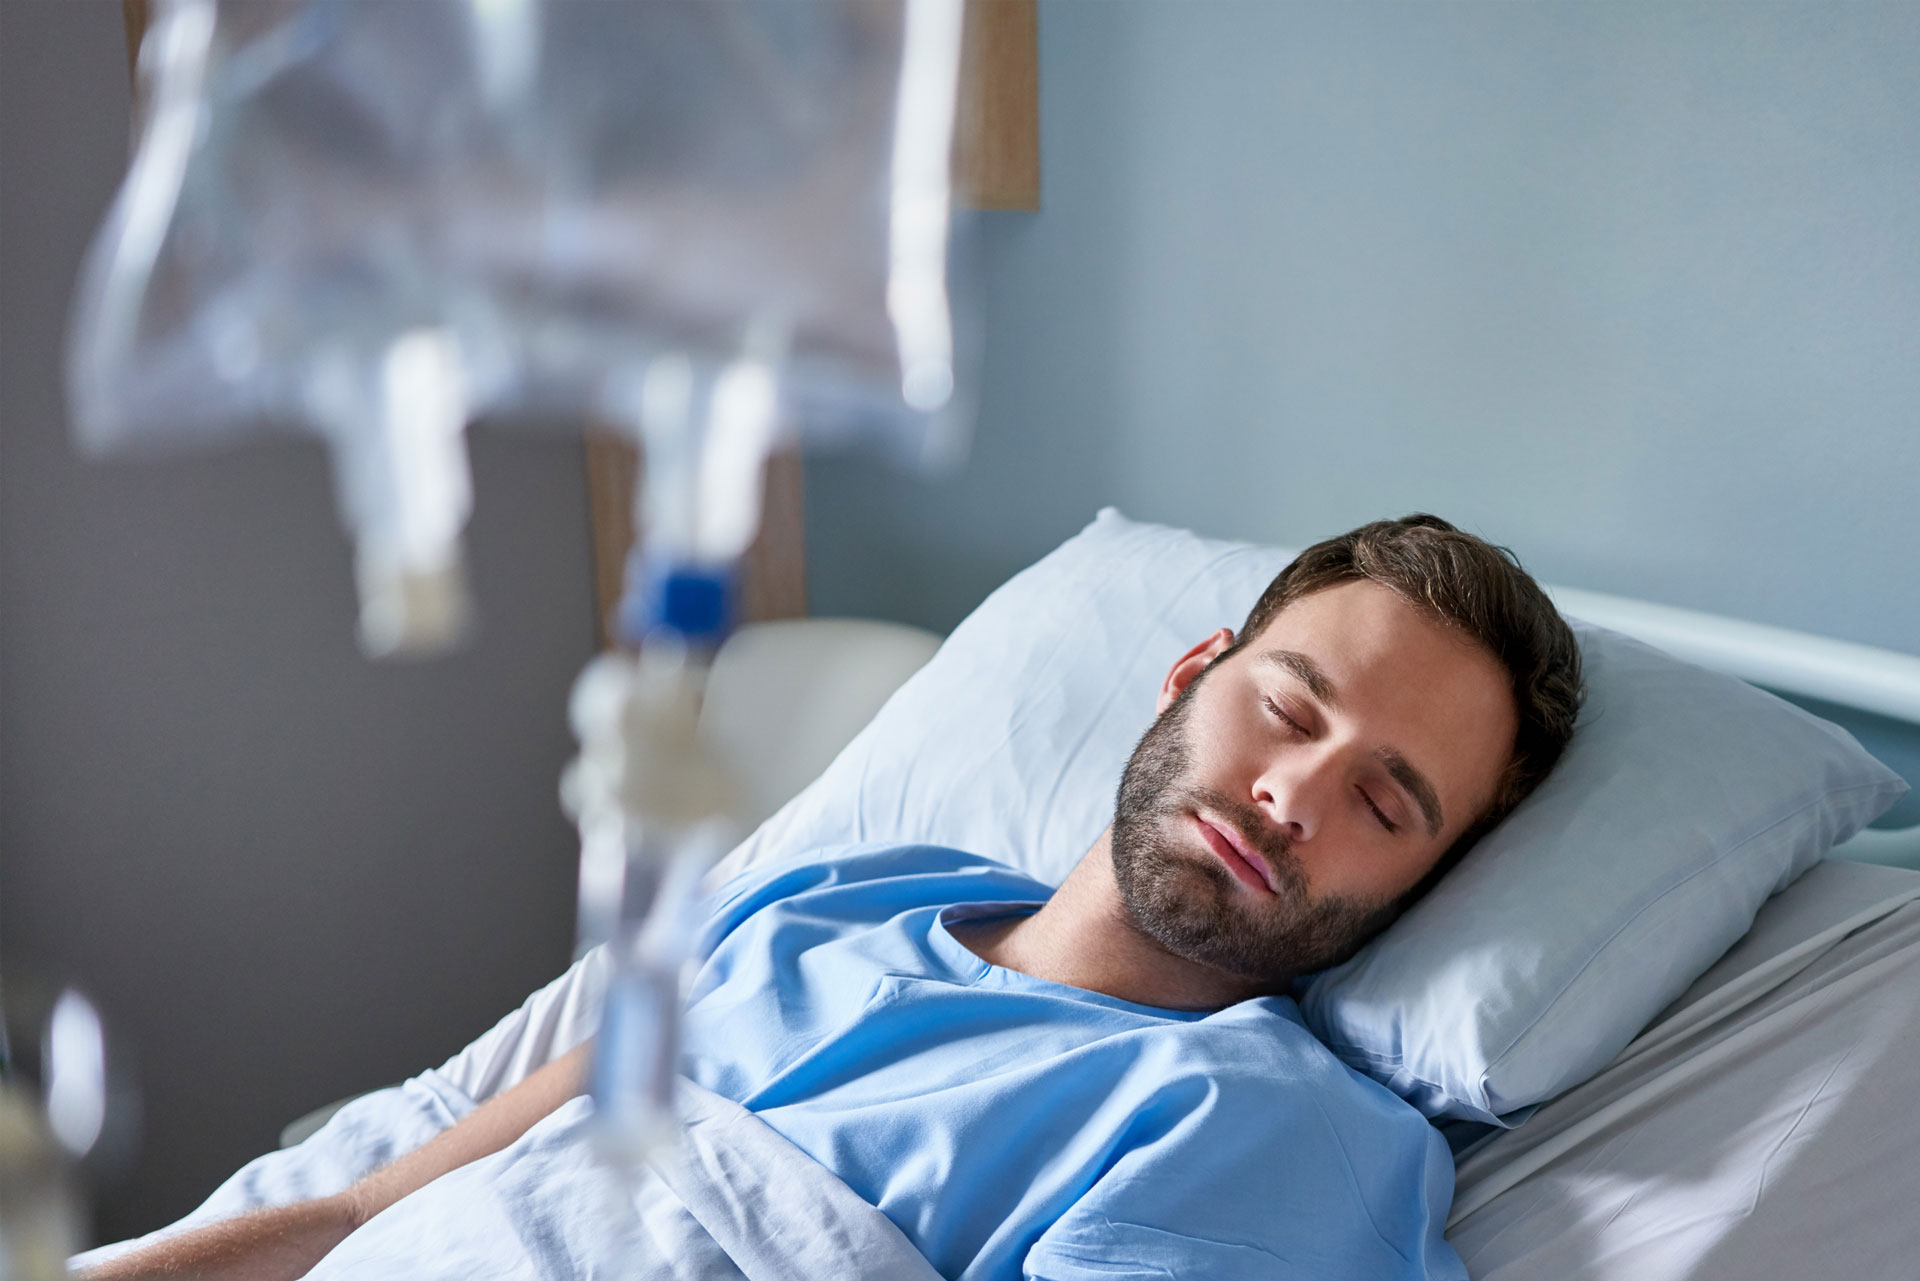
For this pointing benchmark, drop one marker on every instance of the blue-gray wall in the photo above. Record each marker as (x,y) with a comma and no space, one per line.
(1632,287)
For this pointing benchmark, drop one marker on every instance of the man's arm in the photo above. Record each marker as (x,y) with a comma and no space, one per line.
(286,1241)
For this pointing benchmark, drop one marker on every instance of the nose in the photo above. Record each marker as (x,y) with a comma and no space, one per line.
(1297,791)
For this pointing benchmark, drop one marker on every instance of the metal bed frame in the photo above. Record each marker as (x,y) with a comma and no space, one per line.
(1860,677)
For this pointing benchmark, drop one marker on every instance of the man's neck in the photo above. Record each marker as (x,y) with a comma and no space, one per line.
(1083,937)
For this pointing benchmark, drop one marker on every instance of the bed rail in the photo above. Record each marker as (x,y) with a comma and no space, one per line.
(1880,681)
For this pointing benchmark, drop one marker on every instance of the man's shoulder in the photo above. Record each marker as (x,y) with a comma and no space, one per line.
(1246,1045)
(871,881)
(1259,1055)
(1254,1151)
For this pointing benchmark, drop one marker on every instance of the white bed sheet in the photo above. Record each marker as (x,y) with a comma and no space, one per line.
(1762,1129)
(736,1202)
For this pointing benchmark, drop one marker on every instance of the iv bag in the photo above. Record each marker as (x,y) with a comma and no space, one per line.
(544,197)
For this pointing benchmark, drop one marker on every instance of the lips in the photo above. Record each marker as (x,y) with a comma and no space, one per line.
(1240,858)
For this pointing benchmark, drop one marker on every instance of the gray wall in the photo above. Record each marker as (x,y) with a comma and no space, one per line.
(288,874)
(1632,287)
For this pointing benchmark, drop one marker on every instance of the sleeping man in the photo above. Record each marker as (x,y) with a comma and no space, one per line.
(1109,1079)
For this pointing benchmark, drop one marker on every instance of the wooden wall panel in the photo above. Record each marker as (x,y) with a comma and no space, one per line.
(611,477)
(135,14)
(996,155)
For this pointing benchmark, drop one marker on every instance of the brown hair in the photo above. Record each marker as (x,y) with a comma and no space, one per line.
(1481,589)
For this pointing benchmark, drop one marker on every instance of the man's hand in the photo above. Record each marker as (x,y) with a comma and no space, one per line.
(285,1242)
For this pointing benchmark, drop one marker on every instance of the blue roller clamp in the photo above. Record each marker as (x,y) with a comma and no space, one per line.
(695,601)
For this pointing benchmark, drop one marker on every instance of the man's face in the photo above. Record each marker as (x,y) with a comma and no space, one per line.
(1271,819)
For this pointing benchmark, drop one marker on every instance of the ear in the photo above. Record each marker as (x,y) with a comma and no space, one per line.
(1191,664)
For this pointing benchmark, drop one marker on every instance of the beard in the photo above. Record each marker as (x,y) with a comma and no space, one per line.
(1178,894)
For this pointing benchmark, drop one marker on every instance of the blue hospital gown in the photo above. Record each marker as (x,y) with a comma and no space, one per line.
(1015,1127)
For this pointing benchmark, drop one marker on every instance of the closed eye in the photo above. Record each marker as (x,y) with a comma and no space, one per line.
(1277,710)
(1378,813)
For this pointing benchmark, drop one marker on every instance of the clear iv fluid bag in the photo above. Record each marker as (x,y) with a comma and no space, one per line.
(542,197)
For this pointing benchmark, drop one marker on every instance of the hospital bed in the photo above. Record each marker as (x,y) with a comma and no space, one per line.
(1759,1127)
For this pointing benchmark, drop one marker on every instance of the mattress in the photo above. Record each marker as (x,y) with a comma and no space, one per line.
(1761,1128)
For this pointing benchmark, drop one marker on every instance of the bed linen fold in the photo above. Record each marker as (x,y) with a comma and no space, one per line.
(735,1202)
(1749,1135)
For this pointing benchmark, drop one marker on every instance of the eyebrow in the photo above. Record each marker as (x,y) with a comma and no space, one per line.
(1397,766)
(1307,671)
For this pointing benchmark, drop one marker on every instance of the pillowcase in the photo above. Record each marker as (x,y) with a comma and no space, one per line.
(1684,800)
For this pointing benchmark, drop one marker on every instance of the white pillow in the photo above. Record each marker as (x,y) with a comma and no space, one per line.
(1685,799)
(1009,743)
